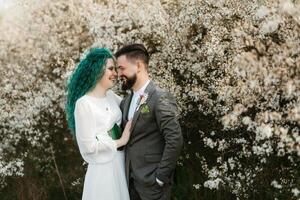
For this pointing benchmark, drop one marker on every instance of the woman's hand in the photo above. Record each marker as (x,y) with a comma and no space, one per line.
(125,135)
(126,132)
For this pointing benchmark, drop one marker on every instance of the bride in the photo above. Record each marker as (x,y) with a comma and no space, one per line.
(94,118)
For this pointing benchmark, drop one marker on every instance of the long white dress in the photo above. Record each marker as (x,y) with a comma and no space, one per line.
(105,177)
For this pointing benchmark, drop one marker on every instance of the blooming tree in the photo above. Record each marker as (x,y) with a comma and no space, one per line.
(234,67)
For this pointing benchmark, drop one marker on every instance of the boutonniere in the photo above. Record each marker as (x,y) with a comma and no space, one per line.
(145,109)
(143,99)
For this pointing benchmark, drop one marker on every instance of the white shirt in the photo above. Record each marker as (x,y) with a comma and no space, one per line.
(135,100)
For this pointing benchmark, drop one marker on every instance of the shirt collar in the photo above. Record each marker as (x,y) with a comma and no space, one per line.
(142,89)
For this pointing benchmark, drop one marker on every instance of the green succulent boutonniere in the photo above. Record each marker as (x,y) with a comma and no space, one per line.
(143,104)
(145,109)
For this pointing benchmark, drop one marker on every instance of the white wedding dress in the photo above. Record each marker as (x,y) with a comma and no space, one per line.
(105,177)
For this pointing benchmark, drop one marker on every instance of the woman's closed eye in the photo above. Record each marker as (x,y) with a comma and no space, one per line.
(112,68)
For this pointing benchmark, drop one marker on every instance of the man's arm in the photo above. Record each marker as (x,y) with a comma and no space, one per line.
(166,117)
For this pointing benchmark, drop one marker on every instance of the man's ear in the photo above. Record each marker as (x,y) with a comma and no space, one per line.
(139,65)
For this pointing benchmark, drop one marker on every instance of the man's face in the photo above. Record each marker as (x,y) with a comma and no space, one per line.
(127,71)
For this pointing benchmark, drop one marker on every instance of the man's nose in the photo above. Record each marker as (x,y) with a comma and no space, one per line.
(119,73)
(115,73)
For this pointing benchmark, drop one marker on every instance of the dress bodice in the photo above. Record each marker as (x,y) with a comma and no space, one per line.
(94,117)
(106,112)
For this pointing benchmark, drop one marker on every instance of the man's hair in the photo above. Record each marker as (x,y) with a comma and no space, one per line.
(134,52)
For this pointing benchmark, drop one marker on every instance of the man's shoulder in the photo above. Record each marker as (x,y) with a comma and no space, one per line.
(162,92)
(164,100)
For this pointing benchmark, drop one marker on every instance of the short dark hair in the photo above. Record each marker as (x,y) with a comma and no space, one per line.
(134,51)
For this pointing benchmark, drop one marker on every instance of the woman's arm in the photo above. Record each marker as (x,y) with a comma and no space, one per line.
(125,135)
(85,132)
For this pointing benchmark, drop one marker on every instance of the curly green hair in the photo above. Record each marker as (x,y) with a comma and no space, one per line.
(84,78)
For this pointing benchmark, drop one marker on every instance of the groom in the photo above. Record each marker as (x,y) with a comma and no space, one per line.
(156,140)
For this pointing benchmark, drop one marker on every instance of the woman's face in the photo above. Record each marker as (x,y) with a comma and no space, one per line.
(110,75)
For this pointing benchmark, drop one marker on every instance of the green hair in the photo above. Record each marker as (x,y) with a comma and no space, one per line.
(84,78)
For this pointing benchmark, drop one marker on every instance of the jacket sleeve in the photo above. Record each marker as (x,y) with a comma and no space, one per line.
(166,116)
(92,145)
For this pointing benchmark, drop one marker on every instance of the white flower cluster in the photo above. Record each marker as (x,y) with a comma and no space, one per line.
(232,65)
(214,181)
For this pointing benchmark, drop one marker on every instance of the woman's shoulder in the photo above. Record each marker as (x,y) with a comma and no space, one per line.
(82,101)
(113,94)
(110,92)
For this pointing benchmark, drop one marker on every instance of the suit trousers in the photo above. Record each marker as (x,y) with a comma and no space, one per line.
(153,192)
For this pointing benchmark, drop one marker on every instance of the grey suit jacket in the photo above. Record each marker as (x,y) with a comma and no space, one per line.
(156,139)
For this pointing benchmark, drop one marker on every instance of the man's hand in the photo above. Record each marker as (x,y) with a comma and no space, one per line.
(159,182)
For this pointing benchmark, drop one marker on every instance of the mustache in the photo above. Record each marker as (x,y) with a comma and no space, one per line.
(123,78)
(128,82)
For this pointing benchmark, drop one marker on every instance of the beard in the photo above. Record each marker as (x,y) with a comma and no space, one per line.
(128,82)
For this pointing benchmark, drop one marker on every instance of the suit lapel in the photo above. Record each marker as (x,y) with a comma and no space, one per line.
(126,107)
(149,90)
